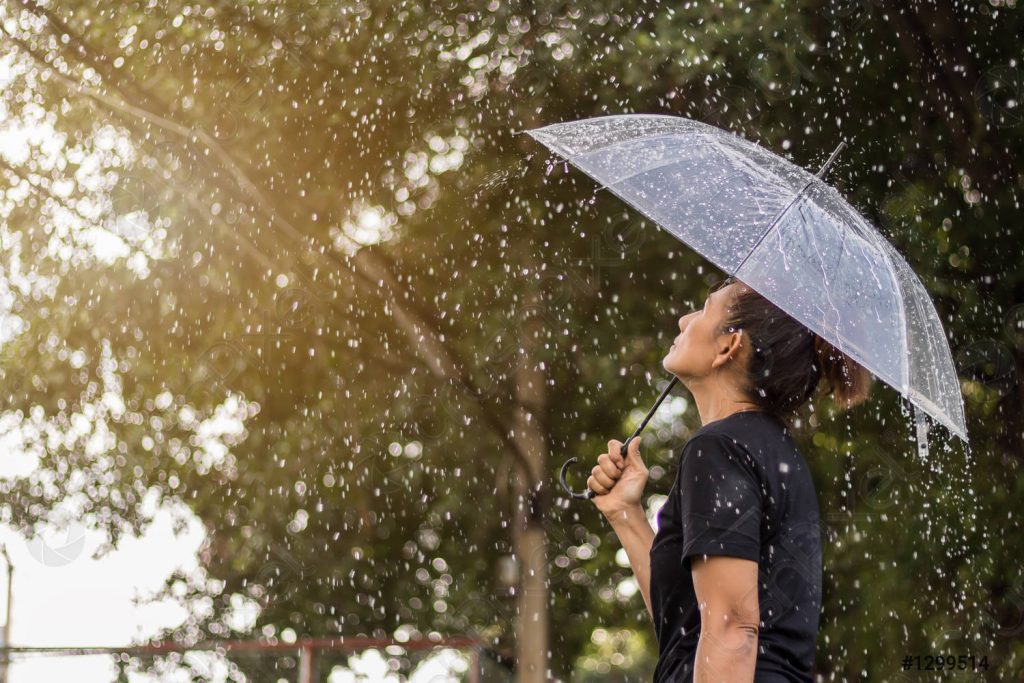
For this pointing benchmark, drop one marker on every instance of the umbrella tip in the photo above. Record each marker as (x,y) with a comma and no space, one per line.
(824,168)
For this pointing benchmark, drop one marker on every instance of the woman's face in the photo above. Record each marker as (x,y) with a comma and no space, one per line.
(700,347)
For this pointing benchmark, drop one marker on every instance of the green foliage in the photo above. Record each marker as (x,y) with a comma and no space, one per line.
(366,493)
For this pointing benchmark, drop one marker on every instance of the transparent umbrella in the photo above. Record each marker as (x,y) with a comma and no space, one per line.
(784,232)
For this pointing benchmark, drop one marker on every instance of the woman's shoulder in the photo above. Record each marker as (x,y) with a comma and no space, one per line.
(715,449)
(762,438)
(746,427)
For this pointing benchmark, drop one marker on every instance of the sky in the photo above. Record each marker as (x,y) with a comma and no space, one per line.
(65,598)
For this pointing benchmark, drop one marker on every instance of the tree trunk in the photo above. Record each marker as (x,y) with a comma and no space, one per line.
(529,537)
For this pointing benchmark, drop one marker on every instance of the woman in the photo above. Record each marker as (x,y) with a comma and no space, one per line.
(732,579)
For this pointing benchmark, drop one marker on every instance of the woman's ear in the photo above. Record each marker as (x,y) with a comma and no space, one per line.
(730,347)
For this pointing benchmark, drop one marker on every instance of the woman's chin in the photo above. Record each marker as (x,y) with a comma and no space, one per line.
(671,363)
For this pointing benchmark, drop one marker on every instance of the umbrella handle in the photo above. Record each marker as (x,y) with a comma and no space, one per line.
(589,493)
(586,495)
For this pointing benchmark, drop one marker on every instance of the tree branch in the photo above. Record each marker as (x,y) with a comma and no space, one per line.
(443,361)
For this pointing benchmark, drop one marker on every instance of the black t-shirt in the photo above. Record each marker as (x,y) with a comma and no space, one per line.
(742,489)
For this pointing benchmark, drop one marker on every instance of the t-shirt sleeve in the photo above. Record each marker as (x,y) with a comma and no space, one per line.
(720,501)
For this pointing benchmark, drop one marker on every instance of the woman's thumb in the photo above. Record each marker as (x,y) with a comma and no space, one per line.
(633,452)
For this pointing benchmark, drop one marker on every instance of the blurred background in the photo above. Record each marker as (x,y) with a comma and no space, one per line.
(295,331)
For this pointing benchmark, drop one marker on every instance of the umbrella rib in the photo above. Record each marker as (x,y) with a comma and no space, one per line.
(743,159)
(904,355)
(819,176)
(775,222)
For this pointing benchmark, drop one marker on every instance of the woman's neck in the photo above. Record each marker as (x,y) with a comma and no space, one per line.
(716,407)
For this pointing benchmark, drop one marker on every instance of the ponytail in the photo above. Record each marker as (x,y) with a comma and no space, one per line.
(848,381)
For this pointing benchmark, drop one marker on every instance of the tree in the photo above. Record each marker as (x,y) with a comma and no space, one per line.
(320,213)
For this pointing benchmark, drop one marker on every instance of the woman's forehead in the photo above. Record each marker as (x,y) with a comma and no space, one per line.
(721,284)
(723,302)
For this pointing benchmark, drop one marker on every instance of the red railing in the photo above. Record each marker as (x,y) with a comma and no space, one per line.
(307,650)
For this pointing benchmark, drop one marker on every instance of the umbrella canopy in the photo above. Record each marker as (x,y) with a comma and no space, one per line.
(784,232)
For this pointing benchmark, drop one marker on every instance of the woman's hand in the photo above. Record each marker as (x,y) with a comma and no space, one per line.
(618,483)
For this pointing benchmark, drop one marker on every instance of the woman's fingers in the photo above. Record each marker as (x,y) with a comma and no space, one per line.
(605,462)
(615,451)
(596,487)
(617,458)
(610,466)
(601,478)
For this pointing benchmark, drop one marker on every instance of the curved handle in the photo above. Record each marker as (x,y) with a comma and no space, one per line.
(589,493)
(586,495)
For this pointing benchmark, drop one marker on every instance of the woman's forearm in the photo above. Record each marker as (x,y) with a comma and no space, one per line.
(636,536)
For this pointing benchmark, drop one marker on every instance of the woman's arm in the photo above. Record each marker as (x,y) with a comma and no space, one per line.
(636,536)
(726,590)
(619,486)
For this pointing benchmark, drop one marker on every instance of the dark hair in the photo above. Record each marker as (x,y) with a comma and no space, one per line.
(788,361)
